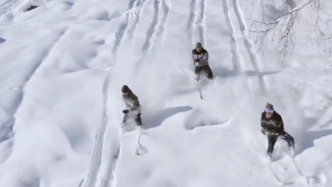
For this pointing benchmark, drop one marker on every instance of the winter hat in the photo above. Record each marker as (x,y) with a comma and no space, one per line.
(125,89)
(269,106)
(198,44)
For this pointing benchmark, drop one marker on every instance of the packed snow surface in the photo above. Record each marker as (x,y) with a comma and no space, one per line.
(63,65)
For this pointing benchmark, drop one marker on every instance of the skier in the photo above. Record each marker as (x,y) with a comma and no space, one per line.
(133,106)
(201,61)
(273,126)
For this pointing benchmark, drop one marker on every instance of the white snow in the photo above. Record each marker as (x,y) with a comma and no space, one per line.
(63,65)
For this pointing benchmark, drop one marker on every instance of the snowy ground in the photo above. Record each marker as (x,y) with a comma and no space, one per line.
(63,66)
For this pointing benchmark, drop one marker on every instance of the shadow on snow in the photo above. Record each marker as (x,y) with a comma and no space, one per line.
(158,117)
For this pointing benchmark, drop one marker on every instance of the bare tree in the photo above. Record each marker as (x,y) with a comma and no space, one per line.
(281,25)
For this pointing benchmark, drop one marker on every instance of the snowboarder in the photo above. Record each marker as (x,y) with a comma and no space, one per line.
(133,106)
(201,61)
(273,126)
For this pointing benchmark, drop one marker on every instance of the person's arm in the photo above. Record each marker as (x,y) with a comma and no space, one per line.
(205,58)
(193,56)
(135,103)
(279,125)
(263,125)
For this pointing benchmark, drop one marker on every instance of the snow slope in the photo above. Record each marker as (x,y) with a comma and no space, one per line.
(62,68)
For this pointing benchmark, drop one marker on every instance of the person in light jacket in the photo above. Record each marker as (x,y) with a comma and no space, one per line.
(132,104)
(201,61)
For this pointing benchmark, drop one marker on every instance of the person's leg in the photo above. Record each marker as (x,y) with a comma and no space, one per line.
(289,139)
(198,72)
(208,71)
(138,119)
(272,139)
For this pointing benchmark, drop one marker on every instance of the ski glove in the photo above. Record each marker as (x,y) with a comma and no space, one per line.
(197,60)
(263,131)
(125,111)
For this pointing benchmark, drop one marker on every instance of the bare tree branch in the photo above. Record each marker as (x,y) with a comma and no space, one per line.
(286,26)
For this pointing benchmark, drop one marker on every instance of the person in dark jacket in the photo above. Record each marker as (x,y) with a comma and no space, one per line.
(201,61)
(273,126)
(132,104)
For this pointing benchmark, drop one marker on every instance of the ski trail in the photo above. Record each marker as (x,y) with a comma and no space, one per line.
(8,5)
(137,16)
(190,23)
(233,44)
(98,148)
(151,31)
(201,23)
(108,178)
(123,27)
(162,27)
(254,58)
(247,43)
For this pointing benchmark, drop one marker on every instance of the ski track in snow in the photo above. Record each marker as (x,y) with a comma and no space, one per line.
(201,23)
(119,34)
(233,43)
(98,148)
(151,31)
(247,43)
(190,23)
(162,27)
(136,17)
(129,23)
(254,58)
(108,179)
(8,5)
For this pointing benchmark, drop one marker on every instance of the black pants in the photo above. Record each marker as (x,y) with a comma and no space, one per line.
(272,139)
(207,70)
(137,119)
